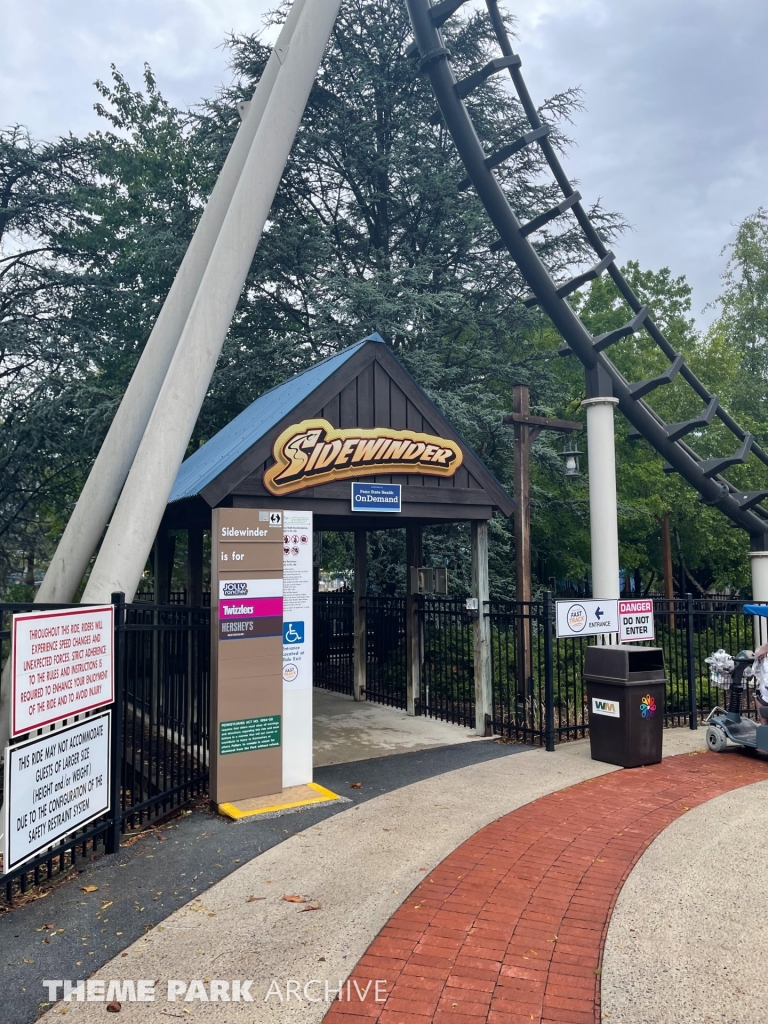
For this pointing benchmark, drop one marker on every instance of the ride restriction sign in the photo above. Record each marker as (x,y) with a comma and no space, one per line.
(62,665)
(635,621)
(54,785)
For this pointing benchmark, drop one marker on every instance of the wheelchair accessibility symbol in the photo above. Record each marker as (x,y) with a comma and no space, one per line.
(293,632)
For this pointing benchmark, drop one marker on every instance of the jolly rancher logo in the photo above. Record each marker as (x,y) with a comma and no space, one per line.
(313,452)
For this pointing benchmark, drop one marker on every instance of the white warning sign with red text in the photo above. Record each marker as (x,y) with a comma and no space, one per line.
(635,621)
(62,665)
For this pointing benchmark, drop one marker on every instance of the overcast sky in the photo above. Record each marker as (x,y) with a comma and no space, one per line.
(674,134)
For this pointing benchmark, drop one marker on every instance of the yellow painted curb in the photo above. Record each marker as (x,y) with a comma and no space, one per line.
(232,811)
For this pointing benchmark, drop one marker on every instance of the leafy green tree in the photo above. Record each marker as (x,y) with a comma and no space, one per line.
(707,551)
(369,230)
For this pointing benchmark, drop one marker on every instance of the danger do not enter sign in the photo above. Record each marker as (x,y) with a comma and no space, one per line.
(635,621)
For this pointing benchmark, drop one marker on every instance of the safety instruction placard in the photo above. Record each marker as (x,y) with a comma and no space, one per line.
(62,665)
(297,601)
(54,785)
(636,621)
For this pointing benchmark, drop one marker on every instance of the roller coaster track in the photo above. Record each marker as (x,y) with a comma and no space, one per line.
(602,376)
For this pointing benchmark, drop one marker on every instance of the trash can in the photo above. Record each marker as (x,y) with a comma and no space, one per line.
(625,694)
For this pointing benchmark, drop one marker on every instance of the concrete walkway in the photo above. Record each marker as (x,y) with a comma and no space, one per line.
(358,867)
(690,922)
(349,730)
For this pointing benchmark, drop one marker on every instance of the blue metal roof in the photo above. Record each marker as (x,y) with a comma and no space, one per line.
(232,441)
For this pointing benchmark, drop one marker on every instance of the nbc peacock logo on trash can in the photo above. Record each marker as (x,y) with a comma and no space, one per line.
(648,706)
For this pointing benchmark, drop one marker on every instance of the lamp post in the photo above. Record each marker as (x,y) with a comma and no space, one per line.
(527,428)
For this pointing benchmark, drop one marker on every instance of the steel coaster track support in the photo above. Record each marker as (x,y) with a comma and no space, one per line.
(142,503)
(603,378)
(108,473)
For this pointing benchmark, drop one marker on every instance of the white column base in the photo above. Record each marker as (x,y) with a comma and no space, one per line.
(759,564)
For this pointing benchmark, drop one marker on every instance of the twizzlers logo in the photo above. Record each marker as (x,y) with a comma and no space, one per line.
(313,452)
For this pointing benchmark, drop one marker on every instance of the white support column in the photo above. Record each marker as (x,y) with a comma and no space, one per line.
(481,628)
(603,520)
(759,563)
(146,491)
(109,471)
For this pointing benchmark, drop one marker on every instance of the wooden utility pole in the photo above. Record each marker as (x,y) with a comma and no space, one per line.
(527,428)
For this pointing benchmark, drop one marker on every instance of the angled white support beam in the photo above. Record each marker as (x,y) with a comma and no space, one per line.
(109,471)
(142,503)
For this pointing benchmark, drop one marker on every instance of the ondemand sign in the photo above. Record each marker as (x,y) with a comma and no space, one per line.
(62,665)
(635,621)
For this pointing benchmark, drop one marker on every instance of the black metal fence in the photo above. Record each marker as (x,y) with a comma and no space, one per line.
(687,630)
(529,664)
(333,641)
(159,744)
(162,668)
(447,648)
(385,650)
(162,688)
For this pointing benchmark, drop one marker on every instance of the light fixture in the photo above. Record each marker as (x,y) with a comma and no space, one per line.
(570,456)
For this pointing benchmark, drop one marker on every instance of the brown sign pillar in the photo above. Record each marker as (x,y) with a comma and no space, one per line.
(247,653)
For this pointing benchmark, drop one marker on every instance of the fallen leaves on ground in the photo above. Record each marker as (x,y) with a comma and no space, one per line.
(253,899)
(355,785)
(293,899)
(114,1007)
(89,888)
(310,907)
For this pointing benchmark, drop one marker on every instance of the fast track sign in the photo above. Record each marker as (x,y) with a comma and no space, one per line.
(587,618)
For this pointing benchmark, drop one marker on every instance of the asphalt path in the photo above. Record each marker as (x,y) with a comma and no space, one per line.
(70,933)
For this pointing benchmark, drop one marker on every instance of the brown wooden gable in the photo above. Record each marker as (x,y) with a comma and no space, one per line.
(371,389)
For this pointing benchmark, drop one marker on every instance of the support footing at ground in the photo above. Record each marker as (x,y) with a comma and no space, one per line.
(294,796)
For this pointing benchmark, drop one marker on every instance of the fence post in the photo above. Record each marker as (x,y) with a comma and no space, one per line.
(360,642)
(693,713)
(549,673)
(112,839)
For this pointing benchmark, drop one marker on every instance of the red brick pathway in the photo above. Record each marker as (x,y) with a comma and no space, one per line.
(510,927)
